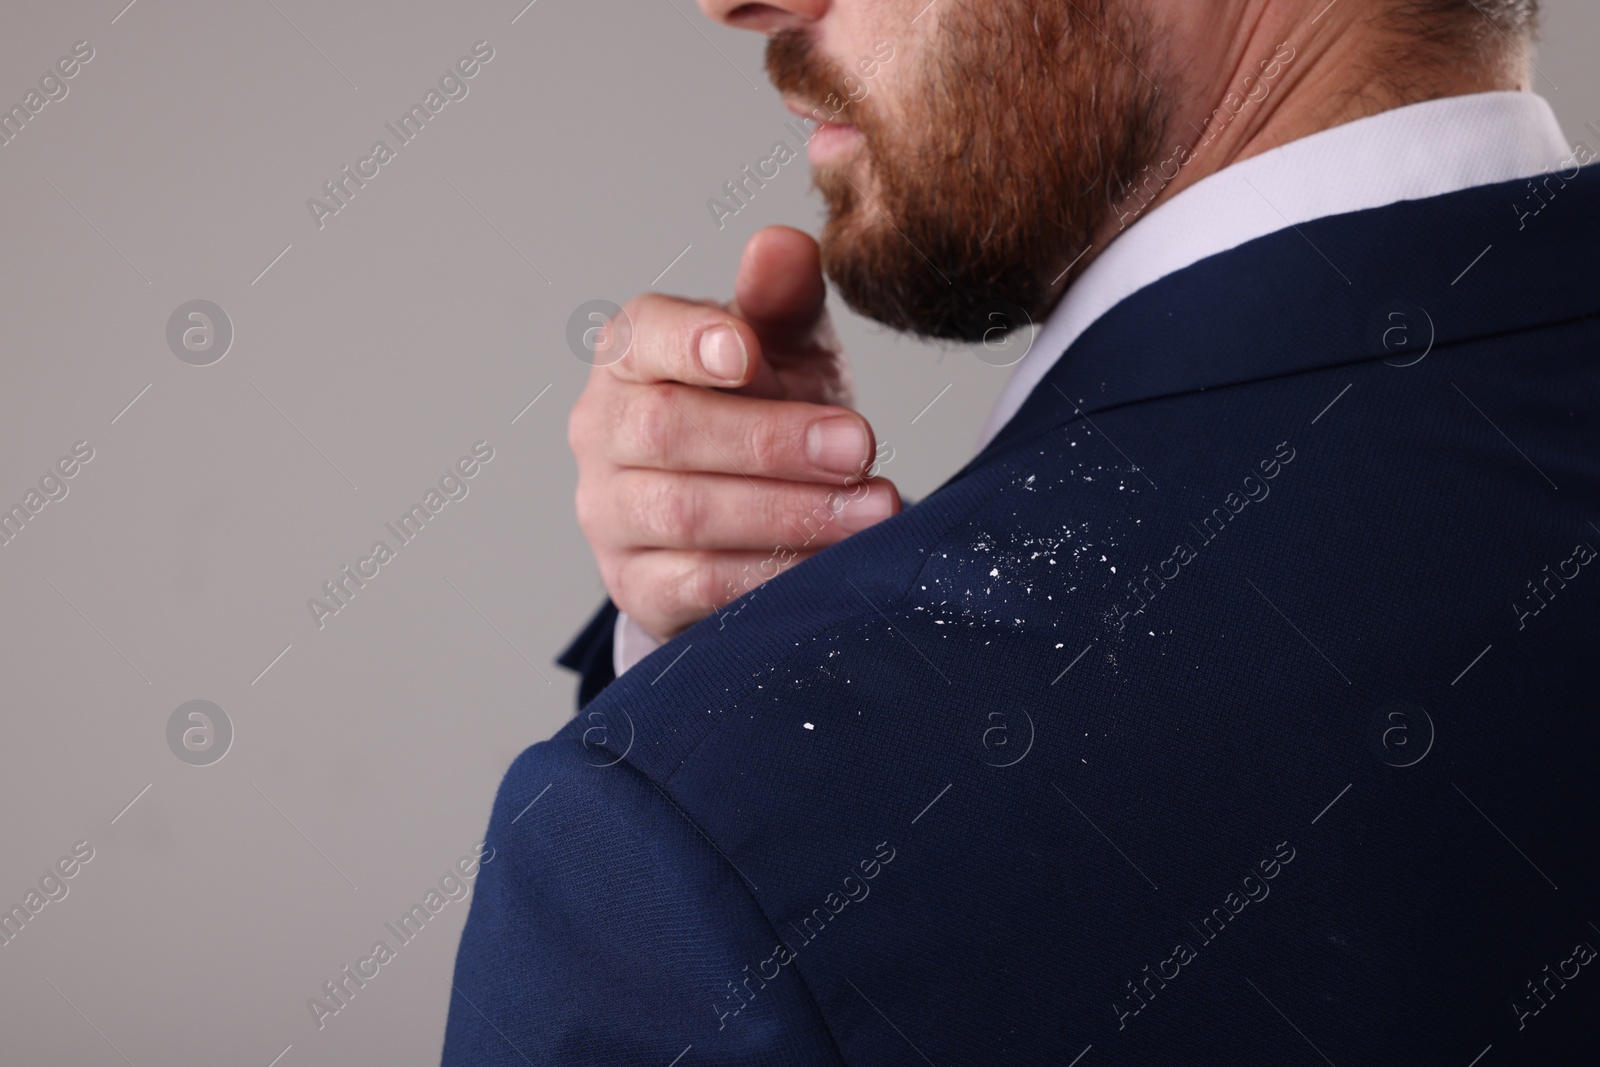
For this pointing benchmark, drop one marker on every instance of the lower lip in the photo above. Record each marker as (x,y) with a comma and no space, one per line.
(833,144)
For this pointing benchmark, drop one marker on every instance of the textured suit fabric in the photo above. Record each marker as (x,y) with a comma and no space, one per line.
(1236,705)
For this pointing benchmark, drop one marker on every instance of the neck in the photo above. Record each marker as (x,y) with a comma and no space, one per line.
(1295,69)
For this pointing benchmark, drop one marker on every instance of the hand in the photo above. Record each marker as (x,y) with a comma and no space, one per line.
(721,448)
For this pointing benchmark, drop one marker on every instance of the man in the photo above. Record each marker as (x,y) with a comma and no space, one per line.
(1235,704)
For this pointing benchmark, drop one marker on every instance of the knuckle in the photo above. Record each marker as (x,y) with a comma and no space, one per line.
(711,587)
(645,430)
(634,306)
(774,509)
(715,583)
(655,330)
(641,306)
(632,427)
(666,509)
(636,314)
(686,508)
(772,444)
(815,512)
(627,411)
(692,586)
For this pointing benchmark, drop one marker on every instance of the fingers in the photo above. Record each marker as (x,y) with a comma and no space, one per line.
(667,591)
(685,341)
(720,447)
(652,509)
(780,295)
(672,427)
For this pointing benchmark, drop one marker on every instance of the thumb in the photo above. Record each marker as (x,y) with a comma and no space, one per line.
(780,293)
(779,290)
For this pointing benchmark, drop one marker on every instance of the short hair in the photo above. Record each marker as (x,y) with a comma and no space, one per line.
(1512,17)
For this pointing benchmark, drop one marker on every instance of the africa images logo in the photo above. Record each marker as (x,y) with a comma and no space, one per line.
(742,189)
(853,888)
(52,87)
(454,885)
(452,86)
(453,485)
(52,486)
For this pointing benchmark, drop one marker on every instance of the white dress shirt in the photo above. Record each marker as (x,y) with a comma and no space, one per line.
(1408,153)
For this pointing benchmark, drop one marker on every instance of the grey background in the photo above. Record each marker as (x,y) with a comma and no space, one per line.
(423,318)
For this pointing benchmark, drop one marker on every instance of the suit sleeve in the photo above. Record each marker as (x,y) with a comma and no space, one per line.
(589,654)
(607,930)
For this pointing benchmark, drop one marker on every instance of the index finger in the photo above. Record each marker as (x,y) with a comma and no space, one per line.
(676,340)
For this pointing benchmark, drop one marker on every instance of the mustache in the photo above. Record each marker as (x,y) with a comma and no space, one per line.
(797,68)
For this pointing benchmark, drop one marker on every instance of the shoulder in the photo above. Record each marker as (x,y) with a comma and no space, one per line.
(607,928)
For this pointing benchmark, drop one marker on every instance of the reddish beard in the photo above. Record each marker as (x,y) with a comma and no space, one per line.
(1023,124)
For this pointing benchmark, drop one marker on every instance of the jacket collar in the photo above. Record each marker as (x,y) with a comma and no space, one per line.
(1414,152)
(1402,282)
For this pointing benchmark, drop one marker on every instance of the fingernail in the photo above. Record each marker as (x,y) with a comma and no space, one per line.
(868,511)
(838,444)
(722,353)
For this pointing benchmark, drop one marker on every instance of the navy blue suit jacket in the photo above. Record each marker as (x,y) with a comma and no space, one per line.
(1238,704)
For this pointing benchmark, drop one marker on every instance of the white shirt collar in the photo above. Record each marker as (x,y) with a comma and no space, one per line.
(1408,153)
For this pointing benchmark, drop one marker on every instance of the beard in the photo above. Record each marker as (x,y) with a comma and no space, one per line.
(1019,131)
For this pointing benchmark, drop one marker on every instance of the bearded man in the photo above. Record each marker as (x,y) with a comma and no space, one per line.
(1235,704)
